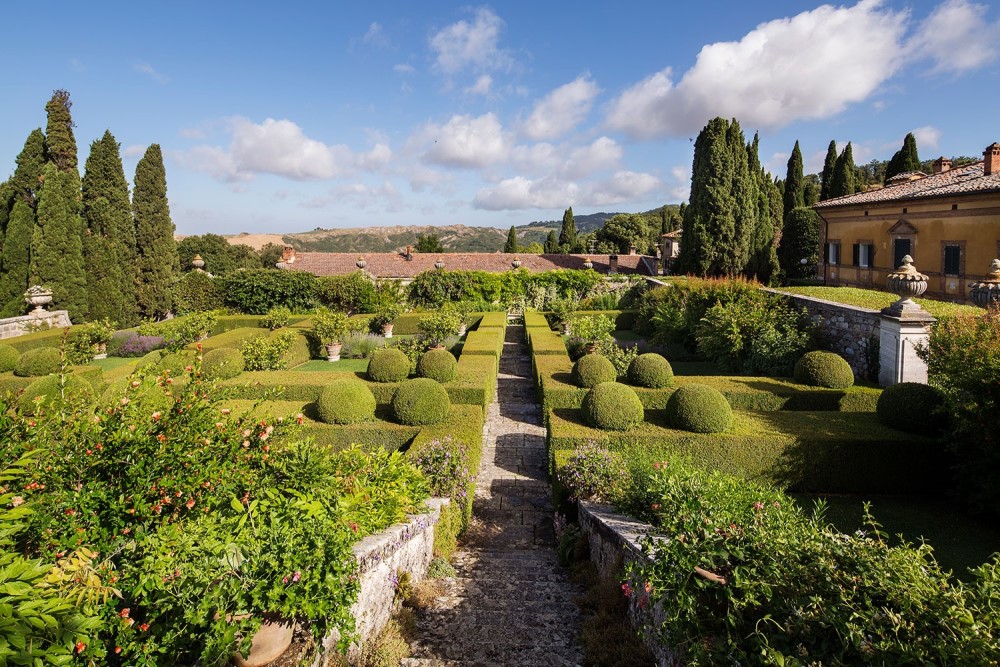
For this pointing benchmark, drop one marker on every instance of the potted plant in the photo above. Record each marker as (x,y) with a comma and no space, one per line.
(38,297)
(562,312)
(330,327)
(437,327)
(463,309)
(592,329)
(99,333)
(386,310)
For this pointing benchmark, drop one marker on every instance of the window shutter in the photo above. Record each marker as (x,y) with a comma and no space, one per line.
(826,253)
(857,254)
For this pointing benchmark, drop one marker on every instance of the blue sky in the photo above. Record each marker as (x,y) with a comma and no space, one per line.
(291,116)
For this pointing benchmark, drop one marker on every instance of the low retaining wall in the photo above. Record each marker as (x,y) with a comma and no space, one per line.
(17,326)
(614,541)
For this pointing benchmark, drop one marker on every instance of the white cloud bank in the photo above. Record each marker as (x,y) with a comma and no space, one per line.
(474,44)
(957,37)
(553,192)
(561,110)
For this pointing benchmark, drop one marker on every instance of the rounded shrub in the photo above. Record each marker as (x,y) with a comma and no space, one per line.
(420,401)
(38,362)
(175,362)
(912,407)
(8,358)
(151,358)
(591,370)
(439,365)
(613,406)
(222,363)
(346,401)
(699,408)
(388,365)
(823,369)
(650,370)
(47,389)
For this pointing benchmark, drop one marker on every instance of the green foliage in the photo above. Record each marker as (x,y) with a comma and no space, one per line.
(388,365)
(361,346)
(591,328)
(613,407)
(60,389)
(267,353)
(420,401)
(439,365)
(220,256)
(38,362)
(439,326)
(594,473)
(329,326)
(568,241)
(428,243)
(156,250)
(829,166)
(60,144)
(591,370)
(222,363)
(196,291)
(793,196)
(823,369)
(699,408)
(620,357)
(492,291)
(650,370)
(445,463)
(799,240)
(624,231)
(14,260)
(256,291)
(551,245)
(8,358)
(346,401)
(511,244)
(56,243)
(905,159)
(877,300)
(276,318)
(912,407)
(843,180)
(351,293)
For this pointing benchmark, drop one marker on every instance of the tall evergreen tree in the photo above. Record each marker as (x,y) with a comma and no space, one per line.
(842,182)
(829,166)
(26,181)
(156,259)
(552,243)
(745,202)
(16,258)
(511,244)
(109,241)
(60,144)
(567,235)
(763,262)
(905,159)
(794,194)
(56,242)
(800,241)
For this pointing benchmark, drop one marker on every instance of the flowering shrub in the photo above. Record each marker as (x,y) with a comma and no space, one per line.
(361,346)
(131,344)
(445,465)
(594,473)
(182,331)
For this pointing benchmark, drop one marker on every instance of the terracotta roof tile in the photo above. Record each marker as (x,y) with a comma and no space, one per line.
(962,180)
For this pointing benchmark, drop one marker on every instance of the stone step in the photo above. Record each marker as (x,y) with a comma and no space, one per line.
(432,662)
(491,654)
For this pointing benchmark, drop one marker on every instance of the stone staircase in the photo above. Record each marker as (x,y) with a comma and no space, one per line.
(510,603)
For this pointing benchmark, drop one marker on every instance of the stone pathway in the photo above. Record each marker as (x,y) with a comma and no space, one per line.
(510,603)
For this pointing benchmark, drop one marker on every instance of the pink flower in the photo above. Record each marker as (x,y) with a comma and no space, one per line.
(17,501)
(296,576)
(156,416)
(758,506)
(226,411)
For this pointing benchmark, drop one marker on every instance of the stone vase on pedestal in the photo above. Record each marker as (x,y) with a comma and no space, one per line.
(986,293)
(333,351)
(904,327)
(39,297)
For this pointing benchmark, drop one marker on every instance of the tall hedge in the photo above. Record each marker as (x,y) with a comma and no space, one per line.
(156,250)
(57,245)
(15,259)
(257,291)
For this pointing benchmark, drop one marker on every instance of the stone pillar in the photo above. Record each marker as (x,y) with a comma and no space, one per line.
(898,337)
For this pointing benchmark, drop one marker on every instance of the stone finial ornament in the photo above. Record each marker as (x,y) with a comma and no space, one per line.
(906,283)
(516,264)
(439,264)
(588,264)
(361,263)
(198,263)
(39,297)
(986,293)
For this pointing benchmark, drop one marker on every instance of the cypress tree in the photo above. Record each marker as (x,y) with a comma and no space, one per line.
(745,203)
(109,241)
(842,182)
(60,144)
(56,244)
(905,159)
(829,166)
(552,243)
(762,263)
(156,256)
(26,181)
(15,259)
(567,235)
(511,244)
(800,240)
(794,195)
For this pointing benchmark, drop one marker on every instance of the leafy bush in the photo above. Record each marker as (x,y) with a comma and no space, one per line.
(650,370)
(151,358)
(420,401)
(351,293)
(276,318)
(621,357)
(329,326)
(61,388)
(196,291)
(38,362)
(594,473)
(265,353)
(257,291)
(222,363)
(361,346)
(8,358)
(437,327)
(388,365)
(445,464)
(182,331)
(439,365)
(432,289)
(346,401)
(912,407)
(131,344)
(591,370)
(591,328)
(823,369)
(612,406)
(699,408)
(672,314)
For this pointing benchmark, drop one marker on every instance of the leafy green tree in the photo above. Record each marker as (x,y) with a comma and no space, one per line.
(794,194)
(843,174)
(709,224)
(109,241)
(552,243)
(60,144)
(16,259)
(810,189)
(762,263)
(567,234)
(511,244)
(221,257)
(57,245)
(157,258)
(26,181)
(800,241)
(622,231)
(829,166)
(270,255)
(428,243)
(905,159)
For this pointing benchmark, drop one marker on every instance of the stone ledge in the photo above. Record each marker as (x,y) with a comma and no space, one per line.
(823,302)
(12,327)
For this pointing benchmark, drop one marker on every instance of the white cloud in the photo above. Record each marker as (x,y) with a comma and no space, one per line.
(464,141)
(463,44)
(552,192)
(621,187)
(481,86)
(957,37)
(603,153)
(375,36)
(561,110)
(927,136)
(812,65)
(680,187)
(364,196)
(147,69)
(135,150)
(403,68)
(377,158)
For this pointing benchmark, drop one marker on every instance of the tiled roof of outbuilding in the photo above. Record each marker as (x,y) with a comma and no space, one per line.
(968,179)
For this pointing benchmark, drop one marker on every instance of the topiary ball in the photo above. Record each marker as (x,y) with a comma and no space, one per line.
(823,369)
(346,401)
(439,365)
(591,370)
(149,359)
(650,370)
(222,363)
(613,406)
(175,362)
(38,362)
(912,407)
(699,408)
(388,365)
(8,358)
(48,389)
(420,401)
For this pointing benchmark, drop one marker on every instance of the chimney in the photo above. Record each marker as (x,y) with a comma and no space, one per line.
(941,165)
(991,159)
(409,253)
(288,254)
(631,249)
(612,265)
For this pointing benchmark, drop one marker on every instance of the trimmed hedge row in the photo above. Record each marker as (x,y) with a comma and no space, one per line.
(47,338)
(232,338)
(484,341)
(92,374)
(545,341)
(492,320)
(229,322)
(534,319)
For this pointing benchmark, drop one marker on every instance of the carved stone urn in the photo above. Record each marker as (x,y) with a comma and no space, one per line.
(906,283)
(986,293)
(439,264)
(516,264)
(361,263)
(38,297)
(588,264)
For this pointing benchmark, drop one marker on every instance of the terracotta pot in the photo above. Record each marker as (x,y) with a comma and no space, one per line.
(269,643)
(333,352)
(101,351)
(462,329)
(387,330)
(590,348)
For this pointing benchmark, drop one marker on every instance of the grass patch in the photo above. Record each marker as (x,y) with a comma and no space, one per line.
(876,300)
(342,366)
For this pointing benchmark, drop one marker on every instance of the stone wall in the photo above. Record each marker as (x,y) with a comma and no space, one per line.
(844,329)
(18,326)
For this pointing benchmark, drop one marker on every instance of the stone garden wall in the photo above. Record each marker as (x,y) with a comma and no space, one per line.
(17,326)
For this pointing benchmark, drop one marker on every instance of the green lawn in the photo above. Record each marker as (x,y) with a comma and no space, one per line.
(876,300)
(342,366)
